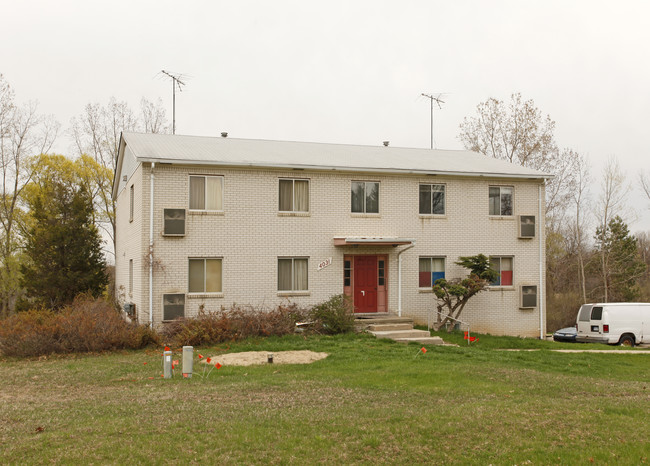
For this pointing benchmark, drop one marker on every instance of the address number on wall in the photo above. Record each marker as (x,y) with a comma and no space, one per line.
(326,263)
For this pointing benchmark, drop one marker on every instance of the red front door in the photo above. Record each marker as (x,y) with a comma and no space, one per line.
(365,283)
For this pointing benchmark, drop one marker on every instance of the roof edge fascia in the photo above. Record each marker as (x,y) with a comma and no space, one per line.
(118,169)
(346,169)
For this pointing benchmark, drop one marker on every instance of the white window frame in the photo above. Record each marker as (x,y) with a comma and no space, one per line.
(293,194)
(444,198)
(430,258)
(512,201)
(205,192)
(512,262)
(205,275)
(293,284)
(365,197)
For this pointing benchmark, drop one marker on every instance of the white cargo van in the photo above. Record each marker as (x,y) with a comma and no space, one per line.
(614,323)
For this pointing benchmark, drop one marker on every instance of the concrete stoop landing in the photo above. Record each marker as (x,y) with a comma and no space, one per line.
(395,328)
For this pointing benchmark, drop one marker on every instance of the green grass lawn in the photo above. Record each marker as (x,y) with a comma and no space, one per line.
(370,401)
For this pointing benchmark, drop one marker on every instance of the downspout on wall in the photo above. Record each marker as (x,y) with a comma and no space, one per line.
(399,278)
(151,180)
(540,223)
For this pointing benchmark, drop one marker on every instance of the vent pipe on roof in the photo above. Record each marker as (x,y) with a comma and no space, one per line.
(224,135)
(386,143)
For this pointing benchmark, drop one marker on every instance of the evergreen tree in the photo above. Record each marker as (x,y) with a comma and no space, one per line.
(622,266)
(63,246)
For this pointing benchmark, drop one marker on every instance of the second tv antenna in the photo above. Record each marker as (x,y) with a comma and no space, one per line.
(176,82)
(438,100)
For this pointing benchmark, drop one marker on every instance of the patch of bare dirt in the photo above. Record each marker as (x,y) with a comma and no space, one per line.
(250,358)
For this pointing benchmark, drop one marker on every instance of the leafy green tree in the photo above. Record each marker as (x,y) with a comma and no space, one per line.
(62,245)
(454,294)
(621,265)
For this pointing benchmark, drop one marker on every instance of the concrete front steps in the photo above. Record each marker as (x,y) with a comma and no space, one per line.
(398,329)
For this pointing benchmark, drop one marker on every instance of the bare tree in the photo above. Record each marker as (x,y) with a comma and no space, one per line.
(153,116)
(23,134)
(611,203)
(519,133)
(96,132)
(580,222)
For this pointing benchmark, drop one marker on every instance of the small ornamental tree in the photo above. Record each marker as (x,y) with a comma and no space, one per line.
(453,294)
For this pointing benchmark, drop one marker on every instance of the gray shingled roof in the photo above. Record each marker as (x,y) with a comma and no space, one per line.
(308,155)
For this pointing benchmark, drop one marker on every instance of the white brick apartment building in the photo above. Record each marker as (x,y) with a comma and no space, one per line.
(216,221)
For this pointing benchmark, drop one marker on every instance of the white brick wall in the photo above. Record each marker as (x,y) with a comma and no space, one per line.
(129,245)
(249,235)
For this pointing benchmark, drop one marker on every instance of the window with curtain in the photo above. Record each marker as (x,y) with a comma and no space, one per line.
(293,195)
(365,197)
(431,269)
(432,199)
(503,265)
(293,274)
(206,192)
(500,200)
(205,275)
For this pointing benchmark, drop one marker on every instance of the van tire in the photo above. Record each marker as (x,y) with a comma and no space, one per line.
(626,340)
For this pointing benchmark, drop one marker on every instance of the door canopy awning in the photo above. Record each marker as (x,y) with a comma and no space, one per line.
(371,241)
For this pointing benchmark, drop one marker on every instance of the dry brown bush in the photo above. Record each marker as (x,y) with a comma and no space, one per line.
(236,323)
(87,325)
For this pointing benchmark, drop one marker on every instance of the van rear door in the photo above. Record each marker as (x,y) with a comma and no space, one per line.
(596,324)
(584,319)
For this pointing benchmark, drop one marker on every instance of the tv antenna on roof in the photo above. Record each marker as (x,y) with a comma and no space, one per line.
(438,100)
(176,82)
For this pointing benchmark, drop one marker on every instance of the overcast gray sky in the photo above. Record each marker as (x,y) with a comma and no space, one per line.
(345,71)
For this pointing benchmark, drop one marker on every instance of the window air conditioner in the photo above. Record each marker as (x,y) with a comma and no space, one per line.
(173,306)
(528,296)
(526,226)
(174,222)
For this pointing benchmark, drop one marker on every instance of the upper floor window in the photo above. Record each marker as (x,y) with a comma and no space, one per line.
(501,200)
(293,274)
(294,195)
(365,197)
(503,265)
(206,192)
(432,199)
(205,276)
(431,269)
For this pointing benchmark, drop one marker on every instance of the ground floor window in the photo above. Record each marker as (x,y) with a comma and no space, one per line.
(293,274)
(205,276)
(503,265)
(431,269)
